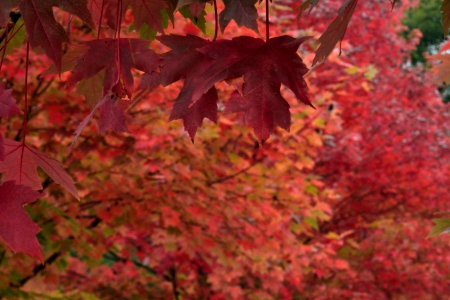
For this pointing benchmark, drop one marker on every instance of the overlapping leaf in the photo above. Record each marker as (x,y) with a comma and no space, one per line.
(228,59)
(112,116)
(178,64)
(20,164)
(335,31)
(103,54)
(42,28)
(16,228)
(445,8)
(144,11)
(243,12)
(5,9)
(8,104)
(205,107)
(262,103)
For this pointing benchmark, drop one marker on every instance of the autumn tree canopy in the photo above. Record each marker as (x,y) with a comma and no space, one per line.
(327,161)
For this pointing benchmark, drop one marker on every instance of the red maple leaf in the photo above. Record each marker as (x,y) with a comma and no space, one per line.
(242,11)
(20,164)
(178,65)
(179,61)
(7,103)
(116,57)
(111,116)
(244,54)
(144,11)
(5,9)
(205,107)
(42,28)
(229,59)
(262,103)
(16,228)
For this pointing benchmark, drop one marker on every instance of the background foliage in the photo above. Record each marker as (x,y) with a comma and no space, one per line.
(337,208)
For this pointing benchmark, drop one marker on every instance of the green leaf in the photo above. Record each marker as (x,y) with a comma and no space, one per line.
(441,226)
(200,22)
(311,221)
(17,40)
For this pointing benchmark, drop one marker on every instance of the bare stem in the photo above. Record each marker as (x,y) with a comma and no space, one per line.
(25,110)
(100,21)
(4,46)
(118,24)
(11,36)
(216,20)
(267,20)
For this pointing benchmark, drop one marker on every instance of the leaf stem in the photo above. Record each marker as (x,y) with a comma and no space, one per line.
(216,21)
(11,36)
(100,21)
(4,46)
(25,110)
(118,24)
(267,21)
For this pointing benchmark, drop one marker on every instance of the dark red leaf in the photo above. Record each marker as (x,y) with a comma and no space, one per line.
(42,28)
(196,9)
(179,62)
(144,11)
(148,11)
(8,104)
(111,116)
(244,54)
(21,162)
(262,102)
(243,12)
(205,107)
(229,59)
(5,9)
(16,228)
(102,55)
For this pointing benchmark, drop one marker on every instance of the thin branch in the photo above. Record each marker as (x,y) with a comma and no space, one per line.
(216,21)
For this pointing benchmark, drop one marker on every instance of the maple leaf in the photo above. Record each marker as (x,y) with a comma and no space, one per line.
(445,8)
(335,31)
(262,103)
(305,5)
(183,55)
(178,65)
(20,164)
(144,11)
(8,104)
(102,54)
(441,70)
(441,225)
(228,59)
(242,11)
(5,9)
(111,116)
(244,54)
(16,228)
(42,28)
(205,107)
(197,9)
